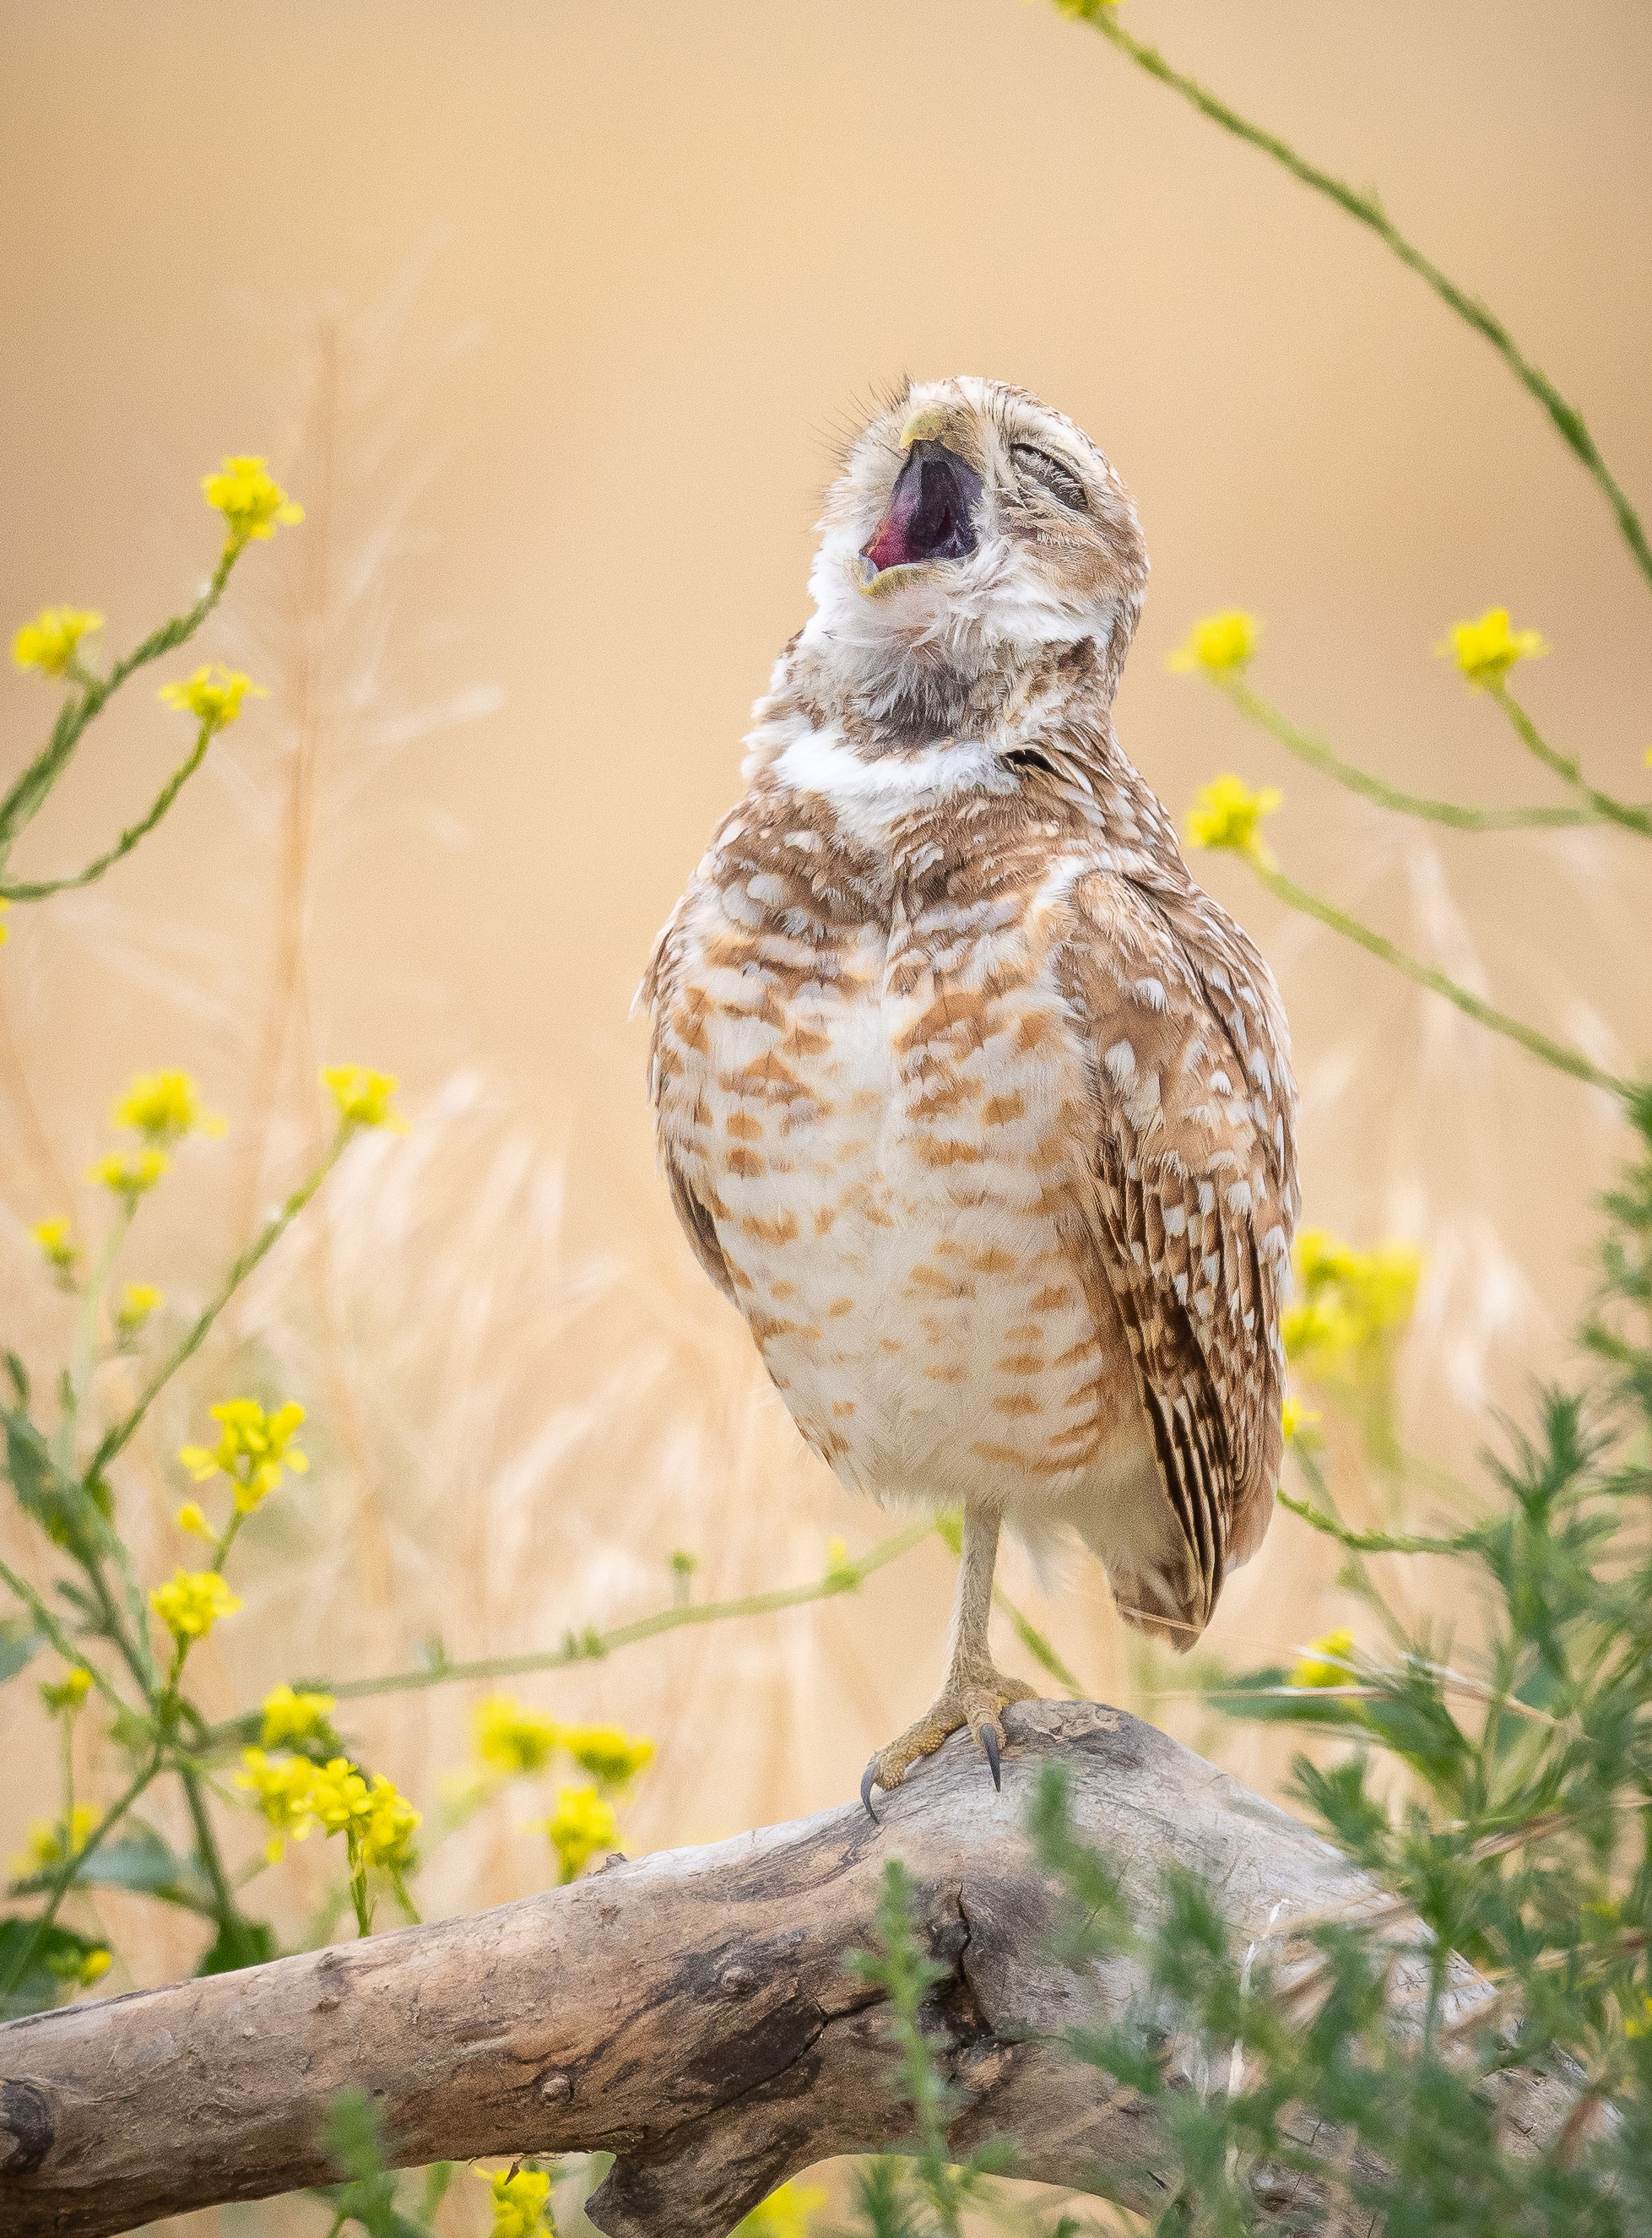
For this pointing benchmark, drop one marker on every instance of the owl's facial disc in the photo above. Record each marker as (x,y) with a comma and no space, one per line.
(931,513)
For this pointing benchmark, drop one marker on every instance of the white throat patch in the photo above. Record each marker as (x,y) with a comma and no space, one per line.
(868,798)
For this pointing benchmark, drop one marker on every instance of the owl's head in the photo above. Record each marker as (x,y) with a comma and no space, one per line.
(973,532)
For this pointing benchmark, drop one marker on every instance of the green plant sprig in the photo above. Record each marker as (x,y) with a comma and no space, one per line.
(1255,709)
(1366,210)
(1605,805)
(38,889)
(27,793)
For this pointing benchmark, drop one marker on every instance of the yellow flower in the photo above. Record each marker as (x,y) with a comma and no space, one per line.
(511,1739)
(132,1177)
(1352,1304)
(68,1698)
(1295,1417)
(785,2214)
(290,1716)
(43,1846)
(252,1453)
(163,1106)
(521,2208)
(57,1244)
(213,696)
(363,1098)
(193,1603)
(1640,2023)
(282,1789)
(840,1571)
(1226,814)
(5,930)
(1317,1667)
(610,1756)
(48,643)
(192,1517)
(1221,645)
(82,1968)
(581,1824)
(378,1821)
(138,1301)
(1485,651)
(250,499)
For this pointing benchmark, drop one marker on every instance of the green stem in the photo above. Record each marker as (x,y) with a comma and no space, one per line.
(1251,703)
(595,1645)
(58,1637)
(227,1911)
(1567,766)
(27,793)
(71,1866)
(1375,1542)
(1539,1045)
(271,1234)
(1368,211)
(37,889)
(86,1336)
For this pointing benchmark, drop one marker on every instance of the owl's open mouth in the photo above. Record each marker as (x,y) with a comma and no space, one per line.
(932,512)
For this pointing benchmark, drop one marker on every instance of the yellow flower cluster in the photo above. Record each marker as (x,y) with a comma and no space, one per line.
(67,1699)
(45,1846)
(163,1106)
(511,1739)
(581,1824)
(250,499)
(138,1301)
(193,1602)
(48,643)
(362,1096)
(1351,1304)
(252,1453)
(785,2214)
(521,2203)
(1221,645)
(213,696)
(295,1795)
(1327,1663)
(1227,813)
(1486,650)
(82,1968)
(611,1756)
(290,1716)
(57,1244)
(130,1178)
(1294,1419)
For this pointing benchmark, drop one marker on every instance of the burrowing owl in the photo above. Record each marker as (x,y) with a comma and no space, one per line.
(977,1107)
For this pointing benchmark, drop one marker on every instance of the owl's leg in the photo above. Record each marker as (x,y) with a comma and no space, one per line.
(975,1691)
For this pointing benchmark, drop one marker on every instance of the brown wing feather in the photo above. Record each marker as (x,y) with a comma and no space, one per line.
(1192,1206)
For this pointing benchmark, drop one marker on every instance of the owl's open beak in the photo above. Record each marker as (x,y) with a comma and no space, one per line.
(932,512)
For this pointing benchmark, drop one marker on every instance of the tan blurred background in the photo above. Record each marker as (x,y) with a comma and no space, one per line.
(552,316)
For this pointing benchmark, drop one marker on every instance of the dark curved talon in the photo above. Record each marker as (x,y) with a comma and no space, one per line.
(868,1780)
(989,1742)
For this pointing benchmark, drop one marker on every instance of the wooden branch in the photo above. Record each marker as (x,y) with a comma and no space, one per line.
(688,2012)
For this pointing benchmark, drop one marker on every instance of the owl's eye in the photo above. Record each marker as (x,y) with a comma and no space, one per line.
(1059,481)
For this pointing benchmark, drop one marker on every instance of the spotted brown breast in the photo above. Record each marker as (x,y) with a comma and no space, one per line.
(980,1112)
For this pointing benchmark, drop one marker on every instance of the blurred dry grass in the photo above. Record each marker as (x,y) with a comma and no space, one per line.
(524,1396)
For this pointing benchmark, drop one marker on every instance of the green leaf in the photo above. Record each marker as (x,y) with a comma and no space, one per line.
(19,1643)
(54,1960)
(240,1943)
(72,1516)
(138,1860)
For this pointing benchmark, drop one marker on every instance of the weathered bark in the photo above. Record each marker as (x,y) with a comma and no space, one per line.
(690,2013)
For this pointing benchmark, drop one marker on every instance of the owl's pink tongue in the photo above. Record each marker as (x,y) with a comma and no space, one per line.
(931,513)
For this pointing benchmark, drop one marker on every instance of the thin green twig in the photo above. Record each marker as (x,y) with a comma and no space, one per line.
(37,889)
(1566,766)
(1376,1542)
(844,1578)
(1368,211)
(59,1638)
(1319,756)
(27,794)
(271,1234)
(1425,975)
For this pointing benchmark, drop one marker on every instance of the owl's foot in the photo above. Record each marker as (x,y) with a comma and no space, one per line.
(973,1698)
